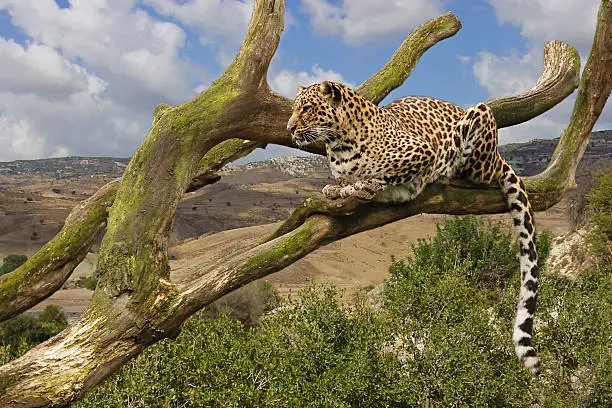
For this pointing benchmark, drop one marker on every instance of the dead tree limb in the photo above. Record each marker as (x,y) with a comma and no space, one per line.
(560,76)
(48,269)
(595,86)
(136,303)
(402,62)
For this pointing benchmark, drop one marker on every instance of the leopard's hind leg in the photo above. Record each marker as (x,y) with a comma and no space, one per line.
(480,160)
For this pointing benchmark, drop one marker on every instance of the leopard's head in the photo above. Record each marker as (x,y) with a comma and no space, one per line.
(317,114)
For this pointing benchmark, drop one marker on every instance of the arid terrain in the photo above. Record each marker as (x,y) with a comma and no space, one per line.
(248,201)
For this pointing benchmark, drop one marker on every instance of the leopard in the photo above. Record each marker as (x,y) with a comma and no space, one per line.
(390,153)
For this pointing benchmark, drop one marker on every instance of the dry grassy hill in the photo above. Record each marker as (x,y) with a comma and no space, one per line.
(36,196)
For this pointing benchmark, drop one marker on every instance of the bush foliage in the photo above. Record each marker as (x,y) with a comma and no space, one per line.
(442,337)
(25,331)
(12,262)
(600,207)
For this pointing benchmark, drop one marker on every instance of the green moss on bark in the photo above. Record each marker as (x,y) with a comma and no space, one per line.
(70,244)
(285,249)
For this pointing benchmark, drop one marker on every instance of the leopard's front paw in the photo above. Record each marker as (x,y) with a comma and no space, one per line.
(347,191)
(369,187)
(364,195)
(332,192)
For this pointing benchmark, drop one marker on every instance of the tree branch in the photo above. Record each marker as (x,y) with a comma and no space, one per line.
(402,63)
(48,269)
(558,80)
(595,87)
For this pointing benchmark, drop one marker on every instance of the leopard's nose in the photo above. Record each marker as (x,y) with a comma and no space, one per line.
(291,127)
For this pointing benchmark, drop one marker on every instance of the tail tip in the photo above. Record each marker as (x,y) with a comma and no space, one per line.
(532,363)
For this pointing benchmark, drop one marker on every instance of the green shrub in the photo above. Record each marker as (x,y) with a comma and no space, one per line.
(246,304)
(12,262)
(25,331)
(87,282)
(314,352)
(442,338)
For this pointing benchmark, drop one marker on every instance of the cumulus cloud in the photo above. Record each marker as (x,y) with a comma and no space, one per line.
(221,24)
(39,68)
(88,78)
(286,81)
(358,21)
(112,38)
(539,21)
(508,74)
(216,19)
(572,21)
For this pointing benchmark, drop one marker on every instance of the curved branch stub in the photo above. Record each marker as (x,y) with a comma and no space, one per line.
(250,66)
(558,80)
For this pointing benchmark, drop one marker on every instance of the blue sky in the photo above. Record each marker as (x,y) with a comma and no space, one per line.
(82,77)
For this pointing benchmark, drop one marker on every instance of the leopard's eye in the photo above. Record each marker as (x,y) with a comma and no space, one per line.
(306,108)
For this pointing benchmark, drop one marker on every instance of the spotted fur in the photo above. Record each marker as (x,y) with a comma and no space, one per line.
(393,152)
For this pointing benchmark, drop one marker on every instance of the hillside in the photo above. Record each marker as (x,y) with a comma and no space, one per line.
(37,195)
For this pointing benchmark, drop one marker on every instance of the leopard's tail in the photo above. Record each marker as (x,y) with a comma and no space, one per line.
(522,214)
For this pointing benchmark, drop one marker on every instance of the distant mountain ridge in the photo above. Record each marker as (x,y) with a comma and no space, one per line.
(66,167)
(527,158)
(532,157)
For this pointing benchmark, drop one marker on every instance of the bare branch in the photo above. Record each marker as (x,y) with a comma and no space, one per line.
(558,80)
(259,46)
(406,57)
(48,269)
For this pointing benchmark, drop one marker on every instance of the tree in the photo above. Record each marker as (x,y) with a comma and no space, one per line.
(136,303)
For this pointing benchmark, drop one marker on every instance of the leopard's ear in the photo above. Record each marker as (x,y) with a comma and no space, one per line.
(329,90)
(326,88)
(300,88)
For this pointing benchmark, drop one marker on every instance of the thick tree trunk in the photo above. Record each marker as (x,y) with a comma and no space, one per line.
(136,303)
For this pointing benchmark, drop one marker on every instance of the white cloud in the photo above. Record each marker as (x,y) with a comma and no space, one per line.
(572,21)
(504,75)
(216,19)
(220,23)
(286,81)
(539,21)
(464,59)
(359,21)
(39,68)
(88,79)
(18,140)
(113,39)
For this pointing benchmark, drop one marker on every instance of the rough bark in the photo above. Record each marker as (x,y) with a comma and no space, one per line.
(136,303)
